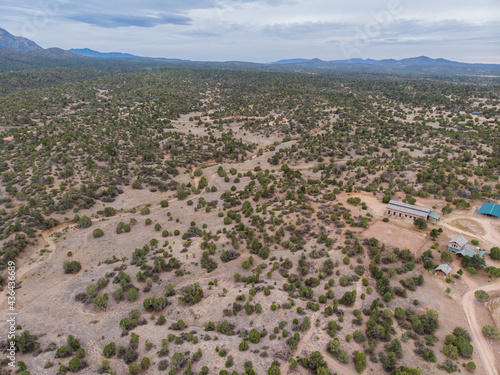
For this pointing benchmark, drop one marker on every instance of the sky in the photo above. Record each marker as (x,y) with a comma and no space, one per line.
(264,30)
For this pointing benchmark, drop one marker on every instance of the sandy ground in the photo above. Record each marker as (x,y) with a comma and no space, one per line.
(399,235)
(494,307)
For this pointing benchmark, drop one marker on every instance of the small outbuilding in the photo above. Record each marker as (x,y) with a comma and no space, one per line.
(444,268)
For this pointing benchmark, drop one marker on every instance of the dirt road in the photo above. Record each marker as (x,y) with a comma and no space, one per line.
(47,255)
(480,343)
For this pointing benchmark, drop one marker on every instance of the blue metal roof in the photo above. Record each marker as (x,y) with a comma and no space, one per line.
(434,215)
(490,209)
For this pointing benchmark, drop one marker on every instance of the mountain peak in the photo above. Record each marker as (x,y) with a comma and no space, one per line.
(18,43)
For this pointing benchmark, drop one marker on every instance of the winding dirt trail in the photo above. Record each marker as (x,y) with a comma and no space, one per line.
(305,346)
(304,341)
(481,344)
(47,255)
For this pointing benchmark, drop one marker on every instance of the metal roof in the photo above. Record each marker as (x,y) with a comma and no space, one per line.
(434,215)
(471,248)
(464,252)
(490,209)
(408,208)
(445,268)
(459,240)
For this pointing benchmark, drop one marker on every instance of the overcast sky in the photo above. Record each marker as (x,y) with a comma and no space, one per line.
(264,30)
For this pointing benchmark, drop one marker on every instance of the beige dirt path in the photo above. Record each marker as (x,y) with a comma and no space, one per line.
(480,343)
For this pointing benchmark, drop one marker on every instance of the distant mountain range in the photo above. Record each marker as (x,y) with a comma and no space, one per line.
(412,61)
(421,60)
(20,53)
(103,55)
(87,52)
(413,65)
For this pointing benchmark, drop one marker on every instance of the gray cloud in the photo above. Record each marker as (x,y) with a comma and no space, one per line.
(442,30)
(418,32)
(305,30)
(125,20)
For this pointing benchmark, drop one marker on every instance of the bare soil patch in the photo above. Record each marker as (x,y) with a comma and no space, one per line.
(469,225)
(494,306)
(396,234)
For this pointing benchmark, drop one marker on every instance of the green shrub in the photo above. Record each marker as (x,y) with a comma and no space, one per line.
(451,351)
(75,364)
(481,295)
(133,368)
(495,253)
(145,363)
(109,211)
(132,294)
(109,350)
(254,336)
(360,361)
(243,346)
(471,366)
(102,282)
(84,222)
(72,267)
(491,332)
(62,352)
(471,270)
(26,343)
(177,360)
(420,223)
(97,233)
(192,294)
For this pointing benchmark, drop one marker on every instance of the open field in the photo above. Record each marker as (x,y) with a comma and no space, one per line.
(396,235)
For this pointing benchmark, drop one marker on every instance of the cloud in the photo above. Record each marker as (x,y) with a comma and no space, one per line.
(211,32)
(411,30)
(126,20)
(305,30)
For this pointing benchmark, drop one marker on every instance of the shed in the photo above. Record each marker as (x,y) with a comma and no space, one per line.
(434,217)
(445,268)
(492,209)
